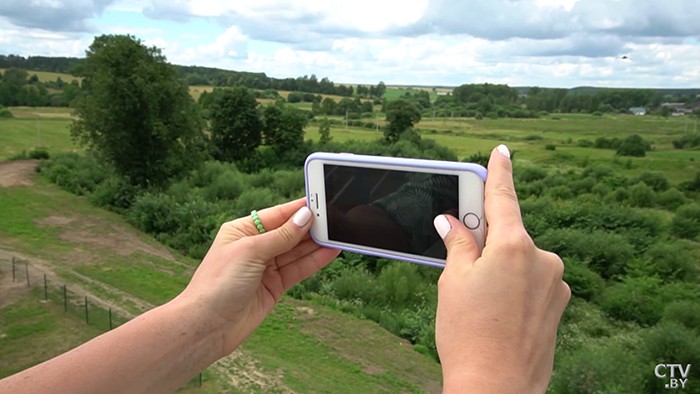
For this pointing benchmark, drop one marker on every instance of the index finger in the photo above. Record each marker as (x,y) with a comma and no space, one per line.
(501,206)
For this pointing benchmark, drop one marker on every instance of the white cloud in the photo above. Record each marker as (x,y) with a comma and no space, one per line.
(230,44)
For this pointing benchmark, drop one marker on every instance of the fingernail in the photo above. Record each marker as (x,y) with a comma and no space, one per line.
(502,149)
(442,225)
(302,216)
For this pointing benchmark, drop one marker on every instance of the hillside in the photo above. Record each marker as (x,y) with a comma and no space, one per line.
(301,347)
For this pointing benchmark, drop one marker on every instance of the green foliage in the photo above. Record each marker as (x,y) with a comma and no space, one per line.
(671,341)
(635,299)
(5,113)
(227,186)
(686,313)
(236,128)
(674,260)
(401,284)
(633,145)
(583,282)
(655,180)
(284,130)
(357,285)
(560,192)
(256,198)
(671,199)
(606,253)
(401,115)
(324,130)
(530,174)
(136,112)
(550,147)
(642,196)
(584,143)
(686,221)
(39,154)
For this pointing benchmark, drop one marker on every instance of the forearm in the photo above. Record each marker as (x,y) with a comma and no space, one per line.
(156,352)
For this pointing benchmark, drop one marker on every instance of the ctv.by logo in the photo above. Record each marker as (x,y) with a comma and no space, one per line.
(662,370)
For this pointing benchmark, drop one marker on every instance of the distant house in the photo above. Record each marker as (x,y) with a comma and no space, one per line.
(638,111)
(440,93)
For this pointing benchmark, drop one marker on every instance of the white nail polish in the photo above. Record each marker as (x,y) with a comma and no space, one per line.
(302,217)
(502,149)
(442,225)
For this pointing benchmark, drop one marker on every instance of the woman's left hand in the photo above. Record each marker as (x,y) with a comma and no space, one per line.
(245,273)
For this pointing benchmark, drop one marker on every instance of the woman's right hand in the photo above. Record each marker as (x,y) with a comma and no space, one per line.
(498,314)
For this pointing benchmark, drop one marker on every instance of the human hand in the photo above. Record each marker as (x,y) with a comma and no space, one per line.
(498,314)
(245,273)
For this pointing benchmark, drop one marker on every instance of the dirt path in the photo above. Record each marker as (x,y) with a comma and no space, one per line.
(17,173)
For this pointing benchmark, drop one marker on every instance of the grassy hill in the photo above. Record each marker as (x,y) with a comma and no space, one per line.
(301,347)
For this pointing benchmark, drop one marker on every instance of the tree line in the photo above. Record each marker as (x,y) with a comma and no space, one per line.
(18,88)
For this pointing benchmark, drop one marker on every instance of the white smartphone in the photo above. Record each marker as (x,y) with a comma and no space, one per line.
(385,206)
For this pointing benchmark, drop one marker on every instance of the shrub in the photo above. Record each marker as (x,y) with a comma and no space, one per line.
(5,113)
(255,198)
(227,186)
(597,171)
(583,282)
(601,189)
(550,147)
(633,145)
(601,143)
(560,193)
(686,221)
(289,184)
(671,199)
(114,192)
(295,97)
(152,213)
(635,299)
(606,253)
(686,313)
(656,180)
(357,284)
(209,172)
(642,196)
(401,283)
(674,260)
(671,341)
(617,196)
(532,137)
(530,174)
(584,143)
(353,115)
(39,154)
(598,368)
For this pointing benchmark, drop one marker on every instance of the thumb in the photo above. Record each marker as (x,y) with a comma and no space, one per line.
(460,243)
(284,238)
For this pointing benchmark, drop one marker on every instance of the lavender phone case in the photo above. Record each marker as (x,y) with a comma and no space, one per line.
(350,157)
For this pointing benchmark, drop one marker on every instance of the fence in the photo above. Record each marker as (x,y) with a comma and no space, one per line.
(49,288)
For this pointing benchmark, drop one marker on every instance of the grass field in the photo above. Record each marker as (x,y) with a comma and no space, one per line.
(302,346)
(46,76)
(528,137)
(393,93)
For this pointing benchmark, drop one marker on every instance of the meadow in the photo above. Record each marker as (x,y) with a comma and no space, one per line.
(465,136)
(46,76)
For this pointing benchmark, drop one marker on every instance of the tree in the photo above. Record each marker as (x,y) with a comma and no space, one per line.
(136,112)
(328,106)
(324,130)
(633,145)
(235,125)
(284,128)
(381,89)
(401,115)
(295,97)
(666,111)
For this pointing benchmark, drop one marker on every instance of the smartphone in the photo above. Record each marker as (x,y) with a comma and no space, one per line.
(385,206)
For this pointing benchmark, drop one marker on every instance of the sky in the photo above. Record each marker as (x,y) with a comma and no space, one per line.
(549,43)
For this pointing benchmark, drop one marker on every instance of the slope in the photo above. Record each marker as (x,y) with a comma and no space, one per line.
(301,347)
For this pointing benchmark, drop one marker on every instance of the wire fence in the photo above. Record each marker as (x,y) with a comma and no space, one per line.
(48,288)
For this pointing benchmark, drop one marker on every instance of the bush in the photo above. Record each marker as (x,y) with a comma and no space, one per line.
(256,198)
(601,189)
(114,192)
(584,143)
(618,196)
(5,113)
(597,171)
(550,147)
(353,115)
(583,282)
(357,284)
(642,196)
(686,221)
(533,137)
(686,313)
(560,193)
(608,367)
(227,186)
(671,199)
(656,180)
(289,184)
(674,260)
(606,253)
(597,113)
(295,97)
(531,174)
(635,299)
(633,145)
(401,283)
(671,341)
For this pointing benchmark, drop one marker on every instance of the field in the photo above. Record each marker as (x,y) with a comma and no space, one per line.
(46,76)
(527,137)
(396,92)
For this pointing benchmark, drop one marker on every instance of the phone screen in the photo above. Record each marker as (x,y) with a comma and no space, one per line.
(389,209)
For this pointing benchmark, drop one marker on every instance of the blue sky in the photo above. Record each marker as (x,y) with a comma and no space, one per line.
(554,43)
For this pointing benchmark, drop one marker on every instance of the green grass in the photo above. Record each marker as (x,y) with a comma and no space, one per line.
(46,76)
(18,134)
(394,93)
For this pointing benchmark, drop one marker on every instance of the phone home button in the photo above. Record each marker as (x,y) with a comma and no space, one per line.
(471,221)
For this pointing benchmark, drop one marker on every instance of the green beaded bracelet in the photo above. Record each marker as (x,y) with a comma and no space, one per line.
(257,222)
